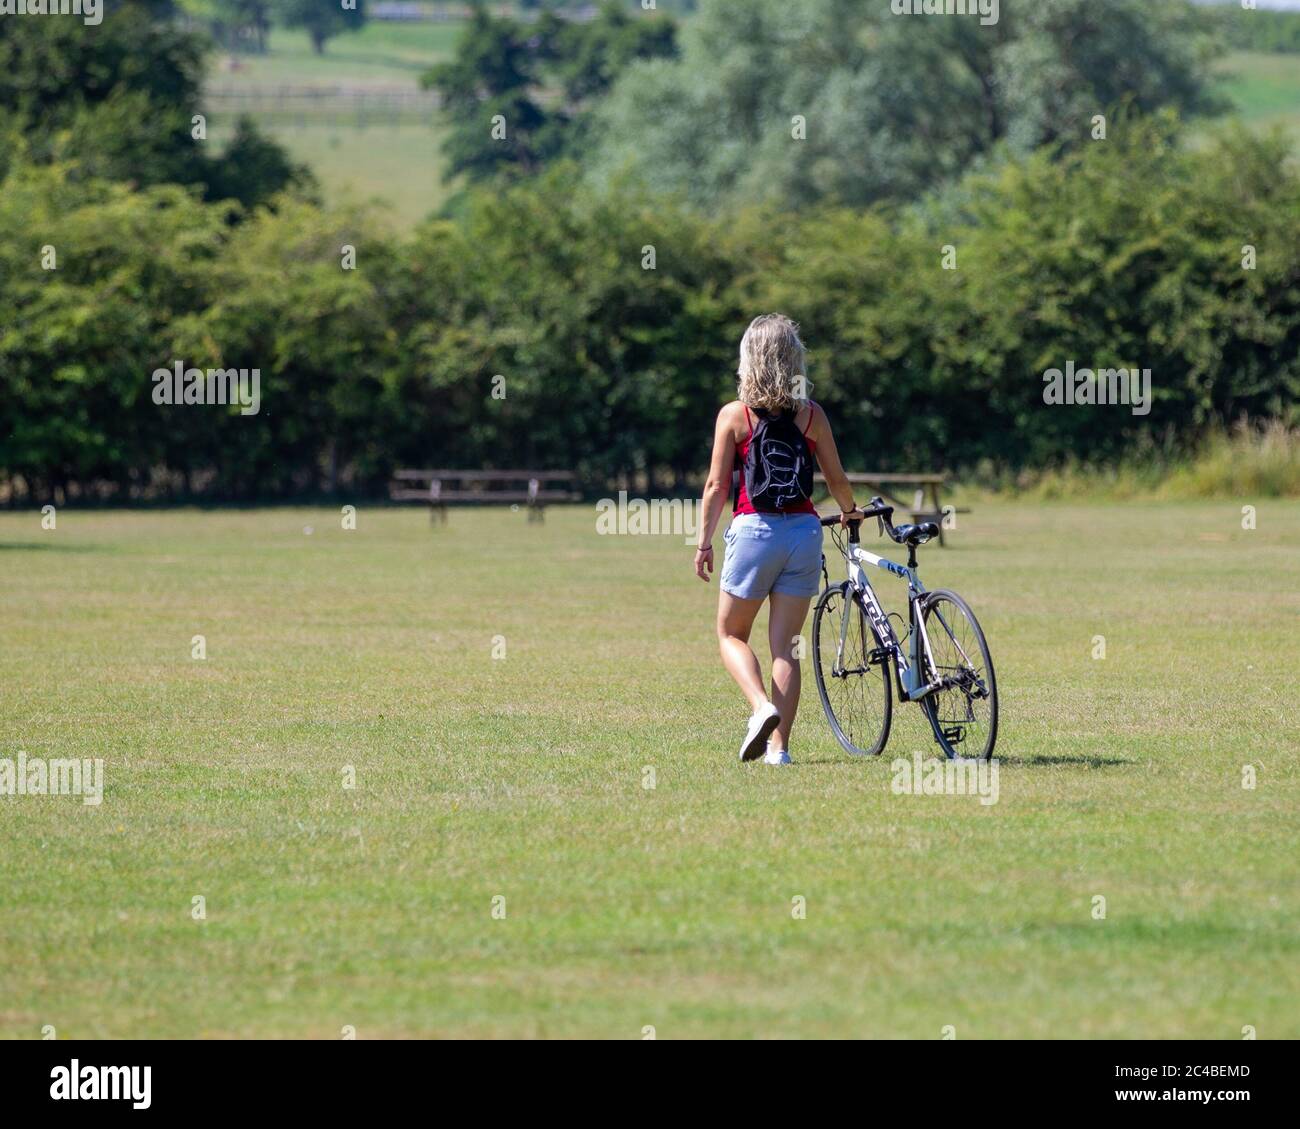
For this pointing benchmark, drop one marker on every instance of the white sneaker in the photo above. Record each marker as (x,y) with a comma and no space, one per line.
(777,756)
(760,729)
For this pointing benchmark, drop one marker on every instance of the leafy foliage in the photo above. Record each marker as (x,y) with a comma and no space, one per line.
(321,21)
(771,102)
(1125,253)
(1254,30)
(121,104)
(490,82)
(519,95)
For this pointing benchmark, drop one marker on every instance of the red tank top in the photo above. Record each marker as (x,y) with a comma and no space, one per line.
(743,504)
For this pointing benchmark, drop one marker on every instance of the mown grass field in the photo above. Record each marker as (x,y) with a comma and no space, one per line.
(360,142)
(380,53)
(523,777)
(399,165)
(1264,89)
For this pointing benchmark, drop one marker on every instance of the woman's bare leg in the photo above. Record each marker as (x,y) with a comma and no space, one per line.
(735,621)
(785,622)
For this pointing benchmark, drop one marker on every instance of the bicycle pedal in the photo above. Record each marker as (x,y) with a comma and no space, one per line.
(955,735)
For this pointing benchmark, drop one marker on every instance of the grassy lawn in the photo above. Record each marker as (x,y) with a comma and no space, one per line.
(522,777)
(398,164)
(1265,88)
(380,53)
(358,147)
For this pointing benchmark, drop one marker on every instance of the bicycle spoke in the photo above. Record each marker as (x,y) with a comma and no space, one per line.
(851,674)
(963,706)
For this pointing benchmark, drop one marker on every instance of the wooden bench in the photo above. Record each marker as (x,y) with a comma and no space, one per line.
(924,483)
(439,488)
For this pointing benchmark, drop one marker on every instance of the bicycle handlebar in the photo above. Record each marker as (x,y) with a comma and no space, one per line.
(883,512)
(876,509)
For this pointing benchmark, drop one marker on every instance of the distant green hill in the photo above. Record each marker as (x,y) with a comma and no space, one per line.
(366,129)
(1265,89)
(362,140)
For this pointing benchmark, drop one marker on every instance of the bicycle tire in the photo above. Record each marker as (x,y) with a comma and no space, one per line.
(851,732)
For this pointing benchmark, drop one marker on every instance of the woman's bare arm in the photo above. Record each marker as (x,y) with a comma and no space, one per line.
(716,488)
(828,458)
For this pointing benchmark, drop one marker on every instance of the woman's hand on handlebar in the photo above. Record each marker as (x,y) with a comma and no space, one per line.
(854,514)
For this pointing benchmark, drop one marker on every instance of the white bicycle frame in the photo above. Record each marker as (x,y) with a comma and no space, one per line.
(907,668)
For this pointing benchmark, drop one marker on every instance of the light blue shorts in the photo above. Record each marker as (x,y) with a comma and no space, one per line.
(772,553)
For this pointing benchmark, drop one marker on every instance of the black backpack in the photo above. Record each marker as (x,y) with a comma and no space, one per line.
(778,466)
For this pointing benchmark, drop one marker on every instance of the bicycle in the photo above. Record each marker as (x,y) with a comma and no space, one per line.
(947,668)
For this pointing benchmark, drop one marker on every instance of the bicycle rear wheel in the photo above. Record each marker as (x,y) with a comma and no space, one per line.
(964,713)
(853,684)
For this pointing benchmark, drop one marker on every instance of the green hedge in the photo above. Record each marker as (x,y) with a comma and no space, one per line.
(1259,29)
(1128,252)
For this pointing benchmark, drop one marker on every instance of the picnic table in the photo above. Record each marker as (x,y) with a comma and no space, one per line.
(890,485)
(438,488)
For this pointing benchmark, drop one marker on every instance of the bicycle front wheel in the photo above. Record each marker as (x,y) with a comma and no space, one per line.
(852,682)
(964,712)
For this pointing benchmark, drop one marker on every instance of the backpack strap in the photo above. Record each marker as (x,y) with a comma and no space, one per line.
(737,468)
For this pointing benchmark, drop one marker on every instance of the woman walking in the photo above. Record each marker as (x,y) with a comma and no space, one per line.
(772,433)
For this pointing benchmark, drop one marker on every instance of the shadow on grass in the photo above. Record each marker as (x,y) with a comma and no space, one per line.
(45,546)
(1090,762)
(845,759)
(1018,762)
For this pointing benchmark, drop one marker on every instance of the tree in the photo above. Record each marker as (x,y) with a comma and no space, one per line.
(322,19)
(495,89)
(121,104)
(587,56)
(254,168)
(486,89)
(78,342)
(234,24)
(1071,59)
(770,101)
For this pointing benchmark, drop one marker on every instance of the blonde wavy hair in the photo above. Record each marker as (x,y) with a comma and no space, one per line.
(772,365)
